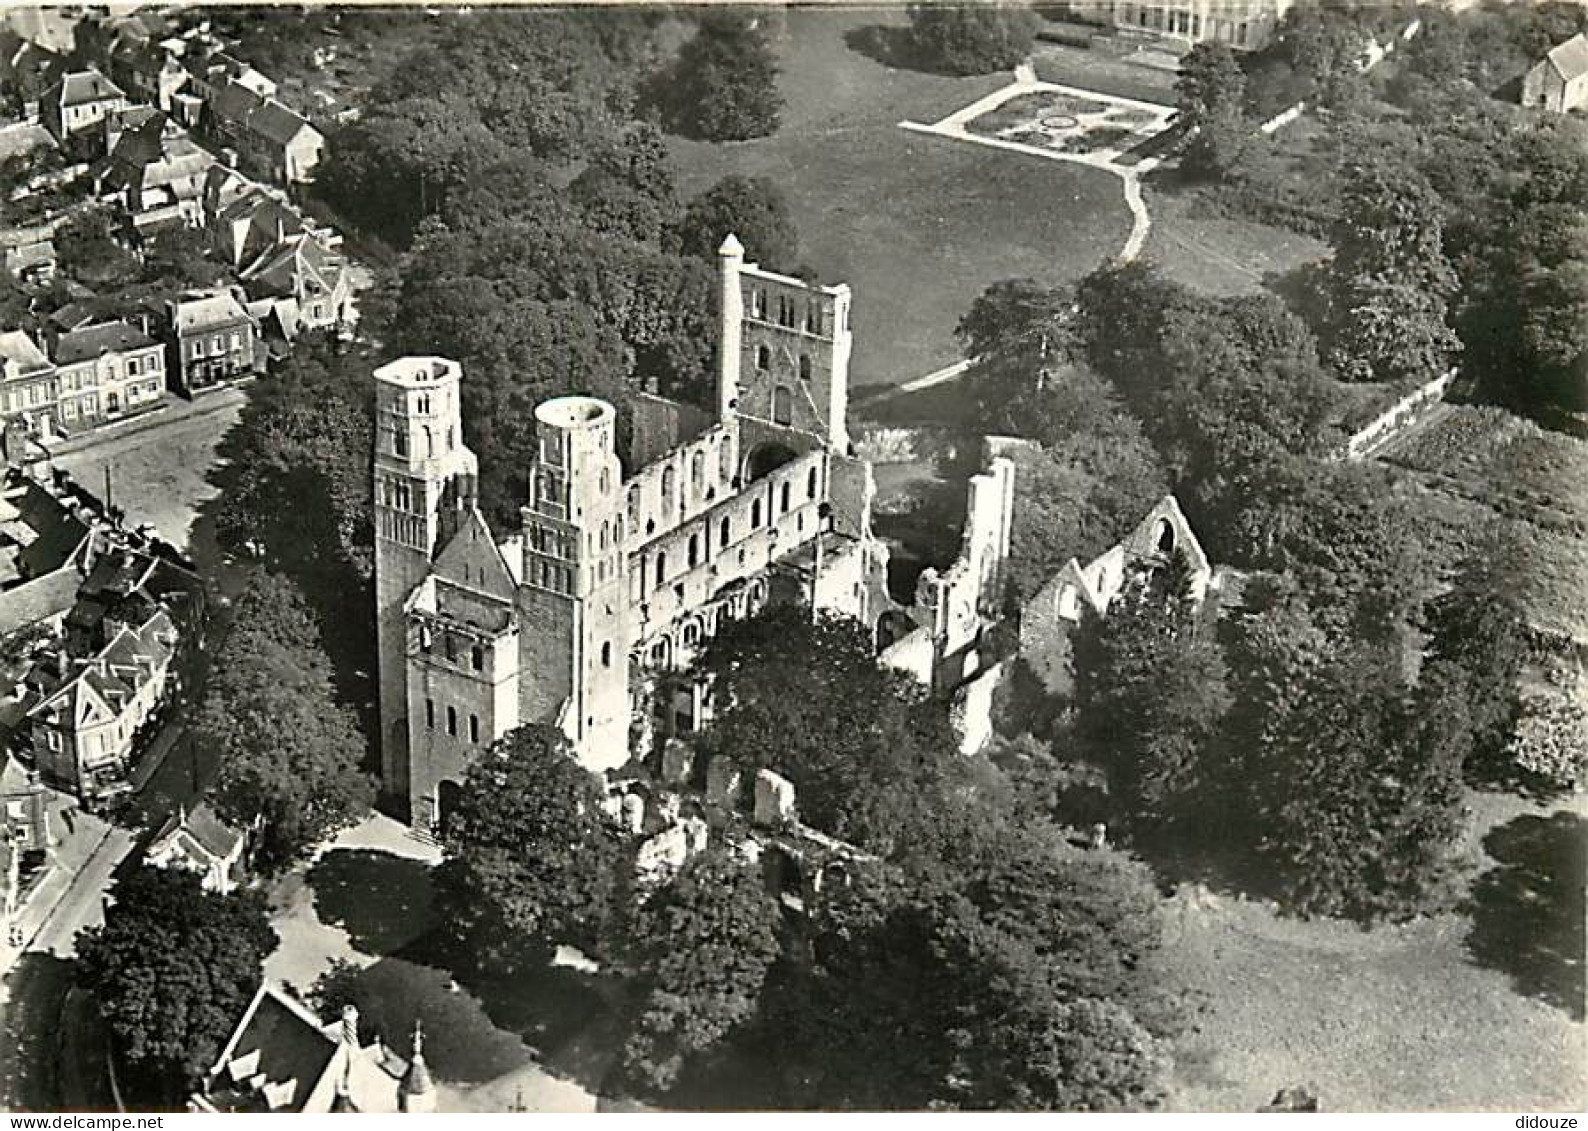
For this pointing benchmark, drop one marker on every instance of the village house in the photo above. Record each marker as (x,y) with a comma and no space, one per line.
(89,715)
(1559,82)
(199,842)
(157,174)
(28,389)
(246,220)
(74,108)
(106,371)
(42,539)
(282,1058)
(100,681)
(309,270)
(212,341)
(272,139)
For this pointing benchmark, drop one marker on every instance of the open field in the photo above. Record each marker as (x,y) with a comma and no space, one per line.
(1483,470)
(1470,1010)
(917,225)
(1221,255)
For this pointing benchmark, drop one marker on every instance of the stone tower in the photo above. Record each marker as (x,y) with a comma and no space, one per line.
(572,598)
(425,482)
(783,353)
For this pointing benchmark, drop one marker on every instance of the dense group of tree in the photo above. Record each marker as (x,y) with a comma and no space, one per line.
(289,751)
(172,968)
(547,246)
(1042,959)
(1456,216)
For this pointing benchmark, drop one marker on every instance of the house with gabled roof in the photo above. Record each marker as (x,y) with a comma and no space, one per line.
(156,172)
(107,370)
(213,340)
(88,715)
(282,1058)
(74,108)
(271,138)
(199,842)
(1559,81)
(309,269)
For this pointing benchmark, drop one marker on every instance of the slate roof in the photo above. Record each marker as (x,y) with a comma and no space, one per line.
(82,87)
(282,1047)
(277,122)
(200,829)
(1570,59)
(302,263)
(21,352)
(234,102)
(94,341)
(200,313)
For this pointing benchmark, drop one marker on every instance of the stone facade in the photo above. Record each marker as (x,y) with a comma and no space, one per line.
(612,578)
(1559,81)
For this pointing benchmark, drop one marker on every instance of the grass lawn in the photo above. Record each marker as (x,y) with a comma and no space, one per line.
(1221,255)
(917,225)
(1464,1011)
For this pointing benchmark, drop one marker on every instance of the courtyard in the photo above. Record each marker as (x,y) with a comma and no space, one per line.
(1054,119)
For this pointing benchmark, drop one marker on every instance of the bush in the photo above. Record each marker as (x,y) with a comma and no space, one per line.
(973,39)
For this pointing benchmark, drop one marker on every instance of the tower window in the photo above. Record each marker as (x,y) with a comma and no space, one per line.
(474,728)
(606,653)
(813,318)
(452,721)
(430,714)
(477,658)
(763,358)
(810,484)
(399,440)
(805,367)
(725,532)
(452,649)
(661,568)
(782,406)
(634,506)
(697,471)
(755,515)
(694,550)
(783,498)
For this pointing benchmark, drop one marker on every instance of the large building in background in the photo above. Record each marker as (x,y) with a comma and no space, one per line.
(612,579)
(1245,25)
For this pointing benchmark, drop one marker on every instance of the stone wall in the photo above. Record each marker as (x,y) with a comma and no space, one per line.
(1397,418)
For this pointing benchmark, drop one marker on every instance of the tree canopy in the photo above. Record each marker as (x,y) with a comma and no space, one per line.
(530,860)
(723,86)
(752,208)
(972,39)
(289,752)
(173,967)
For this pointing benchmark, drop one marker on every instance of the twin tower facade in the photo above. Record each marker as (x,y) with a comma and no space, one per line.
(611,579)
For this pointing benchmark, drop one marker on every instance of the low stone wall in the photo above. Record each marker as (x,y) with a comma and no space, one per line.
(1398,417)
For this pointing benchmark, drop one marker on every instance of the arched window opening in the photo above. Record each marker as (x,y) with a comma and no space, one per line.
(805,367)
(1164,537)
(477,658)
(474,728)
(755,515)
(810,484)
(430,714)
(669,483)
(697,472)
(782,406)
(763,358)
(452,721)
(783,498)
(606,653)
(694,550)
(661,569)
(724,533)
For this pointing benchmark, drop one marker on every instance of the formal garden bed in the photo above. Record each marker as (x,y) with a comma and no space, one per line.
(1068,123)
